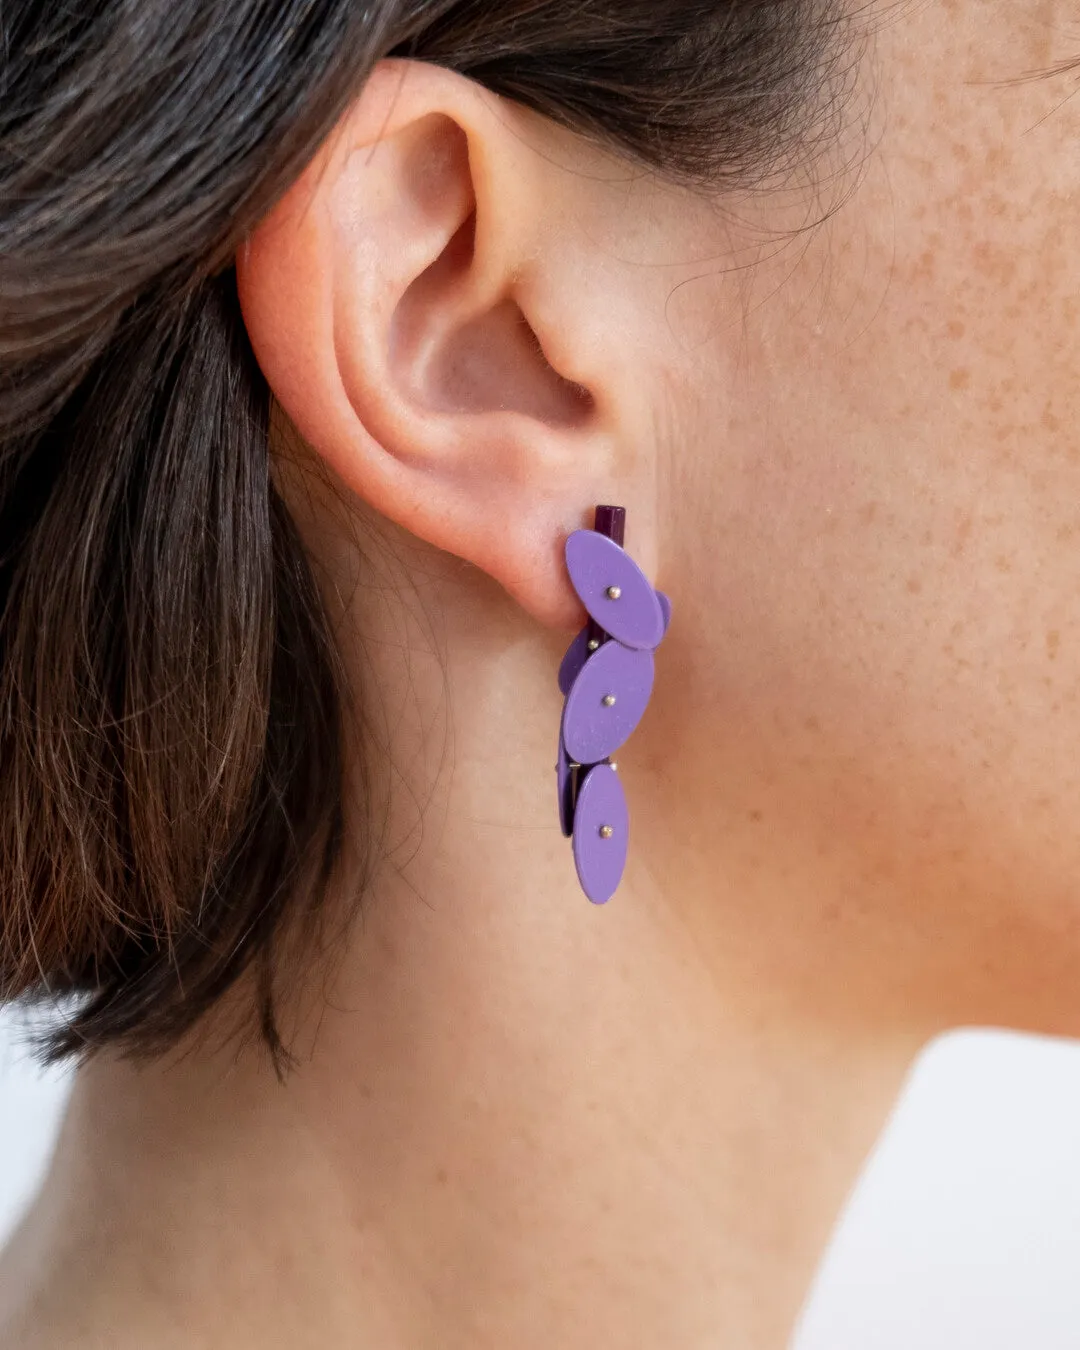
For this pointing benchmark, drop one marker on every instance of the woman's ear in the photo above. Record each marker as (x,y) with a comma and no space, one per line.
(420,319)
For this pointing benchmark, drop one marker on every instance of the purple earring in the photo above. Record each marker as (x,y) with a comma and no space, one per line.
(607,677)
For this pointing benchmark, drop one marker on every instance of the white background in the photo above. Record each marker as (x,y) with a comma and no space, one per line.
(964,1233)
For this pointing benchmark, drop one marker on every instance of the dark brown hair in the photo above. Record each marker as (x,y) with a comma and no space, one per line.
(170,703)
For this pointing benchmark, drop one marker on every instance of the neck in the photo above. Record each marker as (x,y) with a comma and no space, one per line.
(518,1126)
(520,1121)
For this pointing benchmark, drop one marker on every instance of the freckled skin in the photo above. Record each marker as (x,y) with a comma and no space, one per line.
(882,486)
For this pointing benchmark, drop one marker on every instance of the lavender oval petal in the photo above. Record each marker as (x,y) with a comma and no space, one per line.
(665,609)
(592,728)
(598,567)
(576,656)
(601,833)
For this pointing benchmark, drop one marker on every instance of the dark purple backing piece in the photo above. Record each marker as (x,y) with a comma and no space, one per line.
(610,521)
(564,785)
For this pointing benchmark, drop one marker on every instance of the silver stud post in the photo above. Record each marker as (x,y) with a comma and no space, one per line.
(613,592)
(608,700)
(592,645)
(606,831)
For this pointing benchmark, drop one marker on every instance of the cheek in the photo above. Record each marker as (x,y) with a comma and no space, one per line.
(879,513)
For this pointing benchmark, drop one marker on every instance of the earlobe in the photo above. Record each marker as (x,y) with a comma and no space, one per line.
(383,297)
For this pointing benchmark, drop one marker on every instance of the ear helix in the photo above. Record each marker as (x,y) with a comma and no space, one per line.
(607,678)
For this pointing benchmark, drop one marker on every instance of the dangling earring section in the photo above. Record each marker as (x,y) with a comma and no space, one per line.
(607,678)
